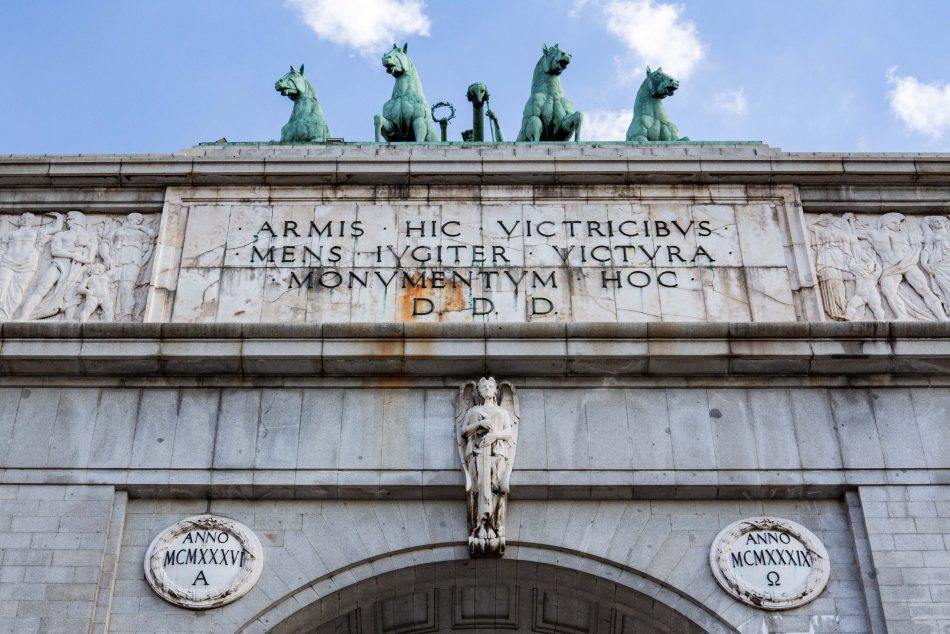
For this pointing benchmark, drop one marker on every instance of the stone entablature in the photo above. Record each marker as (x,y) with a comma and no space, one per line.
(756,353)
(487,233)
(236,409)
(525,164)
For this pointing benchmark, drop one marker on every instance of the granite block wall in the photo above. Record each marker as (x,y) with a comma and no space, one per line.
(72,555)
(909,534)
(51,553)
(313,548)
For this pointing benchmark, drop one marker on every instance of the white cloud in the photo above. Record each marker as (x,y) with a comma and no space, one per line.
(578,7)
(923,107)
(606,125)
(368,26)
(731,101)
(656,34)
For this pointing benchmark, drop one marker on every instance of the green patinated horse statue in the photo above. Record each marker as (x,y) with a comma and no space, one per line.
(406,116)
(307,124)
(650,121)
(548,115)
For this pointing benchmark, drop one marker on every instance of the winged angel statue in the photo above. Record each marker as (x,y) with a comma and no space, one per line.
(486,422)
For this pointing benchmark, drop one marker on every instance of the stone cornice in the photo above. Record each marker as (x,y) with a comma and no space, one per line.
(445,484)
(744,351)
(541,164)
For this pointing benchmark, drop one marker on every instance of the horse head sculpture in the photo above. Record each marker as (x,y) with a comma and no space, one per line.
(406,116)
(548,115)
(307,123)
(650,122)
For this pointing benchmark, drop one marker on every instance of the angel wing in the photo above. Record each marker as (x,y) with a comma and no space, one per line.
(508,400)
(464,401)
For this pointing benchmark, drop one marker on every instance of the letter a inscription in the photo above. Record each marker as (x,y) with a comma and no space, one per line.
(486,420)
(204,561)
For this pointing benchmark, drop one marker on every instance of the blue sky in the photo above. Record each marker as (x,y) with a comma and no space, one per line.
(137,76)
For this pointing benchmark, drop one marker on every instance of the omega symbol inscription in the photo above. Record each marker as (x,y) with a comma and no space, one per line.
(770,563)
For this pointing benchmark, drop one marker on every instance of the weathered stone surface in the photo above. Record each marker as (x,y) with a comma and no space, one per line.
(666,540)
(770,563)
(909,537)
(650,420)
(71,267)
(613,439)
(52,540)
(204,562)
(333,255)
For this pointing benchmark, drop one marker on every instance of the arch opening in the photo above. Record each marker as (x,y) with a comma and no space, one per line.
(487,596)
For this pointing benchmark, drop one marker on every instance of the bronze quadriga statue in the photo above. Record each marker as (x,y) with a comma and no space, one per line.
(307,124)
(548,115)
(406,116)
(650,121)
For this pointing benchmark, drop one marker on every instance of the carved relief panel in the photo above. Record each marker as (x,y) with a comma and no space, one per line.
(74,266)
(882,267)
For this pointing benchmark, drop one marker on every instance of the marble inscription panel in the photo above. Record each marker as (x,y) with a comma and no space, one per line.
(485,260)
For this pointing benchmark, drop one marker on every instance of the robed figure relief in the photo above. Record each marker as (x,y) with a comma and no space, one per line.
(75,267)
(486,420)
(886,266)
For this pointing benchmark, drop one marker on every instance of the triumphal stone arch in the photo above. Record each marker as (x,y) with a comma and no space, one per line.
(545,387)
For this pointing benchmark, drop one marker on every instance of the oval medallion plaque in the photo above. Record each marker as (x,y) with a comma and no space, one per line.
(770,563)
(204,562)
